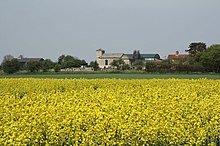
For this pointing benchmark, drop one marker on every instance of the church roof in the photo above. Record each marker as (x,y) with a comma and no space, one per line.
(130,56)
(112,55)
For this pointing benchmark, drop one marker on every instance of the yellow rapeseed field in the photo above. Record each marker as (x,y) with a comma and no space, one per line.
(109,112)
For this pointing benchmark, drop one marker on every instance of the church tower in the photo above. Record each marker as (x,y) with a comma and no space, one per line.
(99,53)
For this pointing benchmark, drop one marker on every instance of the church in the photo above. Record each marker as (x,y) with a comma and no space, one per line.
(105,59)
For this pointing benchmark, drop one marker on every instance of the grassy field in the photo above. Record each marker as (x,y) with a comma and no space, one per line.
(116,75)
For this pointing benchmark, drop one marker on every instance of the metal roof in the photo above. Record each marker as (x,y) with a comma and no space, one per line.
(150,56)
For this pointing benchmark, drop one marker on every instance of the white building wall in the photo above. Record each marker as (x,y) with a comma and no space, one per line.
(102,61)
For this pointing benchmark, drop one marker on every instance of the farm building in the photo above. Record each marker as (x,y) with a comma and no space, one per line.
(23,61)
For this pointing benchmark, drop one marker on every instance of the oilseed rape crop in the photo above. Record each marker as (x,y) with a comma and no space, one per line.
(109,112)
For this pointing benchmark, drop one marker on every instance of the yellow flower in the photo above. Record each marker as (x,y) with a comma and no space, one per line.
(109,112)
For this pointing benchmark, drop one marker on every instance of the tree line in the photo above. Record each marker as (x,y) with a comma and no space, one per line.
(11,65)
(201,59)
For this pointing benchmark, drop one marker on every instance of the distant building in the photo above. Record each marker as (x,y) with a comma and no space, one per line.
(105,59)
(176,58)
(23,61)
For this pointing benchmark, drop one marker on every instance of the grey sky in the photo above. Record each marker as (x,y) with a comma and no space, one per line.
(49,28)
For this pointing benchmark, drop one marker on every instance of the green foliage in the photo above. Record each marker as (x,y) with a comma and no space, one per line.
(7,58)
(46,65)
(61,59)
(161,67)
(121,75)
(167,61)
(70,61)
(94,65)
(211,58)
(118,64)
(33,66)
(149,66)
(194,60)
(84,63)
(11,66)
(68,58)
(57,67)
(195,48)
(125,67)
(138,64)
(208,58)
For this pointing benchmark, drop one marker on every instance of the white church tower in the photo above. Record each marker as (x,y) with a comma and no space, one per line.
(99,53)
(99,60)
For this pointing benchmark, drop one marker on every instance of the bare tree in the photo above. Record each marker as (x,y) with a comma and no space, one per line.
(7,58)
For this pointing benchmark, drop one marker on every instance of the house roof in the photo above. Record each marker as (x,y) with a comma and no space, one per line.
(112,55)
(30,59)
(179,56)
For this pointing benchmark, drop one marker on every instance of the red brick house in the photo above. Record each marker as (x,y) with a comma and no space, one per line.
(177,58)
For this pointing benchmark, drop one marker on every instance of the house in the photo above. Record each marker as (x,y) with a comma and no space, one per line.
(23,61)
(177,58)
(105,59)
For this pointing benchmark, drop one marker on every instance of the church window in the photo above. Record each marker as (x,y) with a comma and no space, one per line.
(106,62)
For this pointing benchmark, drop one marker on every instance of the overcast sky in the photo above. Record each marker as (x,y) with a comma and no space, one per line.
(50,28)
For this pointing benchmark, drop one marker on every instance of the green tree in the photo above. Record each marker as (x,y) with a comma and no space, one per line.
(61,59)
(118,64)
(211,58)
(151,66)
(125,67)
(57,67)
(195,48)
(10,66)
(84,63)
(70,61)
(138,64)
(33,66)
(94,65)
(7,58)
(46,65)
(167,61)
